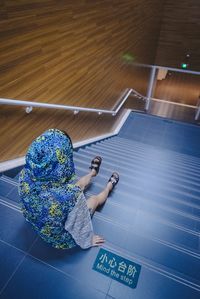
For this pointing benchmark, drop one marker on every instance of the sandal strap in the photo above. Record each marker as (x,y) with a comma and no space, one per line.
(114,179)
(95,163)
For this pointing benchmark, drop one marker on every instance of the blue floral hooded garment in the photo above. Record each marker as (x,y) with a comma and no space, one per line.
(46,190)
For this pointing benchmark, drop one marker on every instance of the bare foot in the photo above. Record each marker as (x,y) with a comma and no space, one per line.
(93,172)
(110,186)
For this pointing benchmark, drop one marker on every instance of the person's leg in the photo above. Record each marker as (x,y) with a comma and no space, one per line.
(96,200)
(85,180)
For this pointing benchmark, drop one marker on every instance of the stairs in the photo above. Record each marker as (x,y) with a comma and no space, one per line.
(151,218)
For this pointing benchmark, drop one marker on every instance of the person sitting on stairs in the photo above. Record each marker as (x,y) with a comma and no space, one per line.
(51,199)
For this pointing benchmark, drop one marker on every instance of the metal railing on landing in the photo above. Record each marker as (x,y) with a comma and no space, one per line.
(197,114)
(29,104)
(151,85)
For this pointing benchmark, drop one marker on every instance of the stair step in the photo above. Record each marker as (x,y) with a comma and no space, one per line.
(150,280)
(154,206)
(158,157)
(12,173)
(138,171)
(143,151)
(120,142)
(10,203)
(111,206)
(174,216)
(154,250)
(9,180)
(9,188)
(146,224)
(157,208)
(6,186)
(147,165)
(148,158)
(162,133)
(166,201)
(149,178)
(147,186)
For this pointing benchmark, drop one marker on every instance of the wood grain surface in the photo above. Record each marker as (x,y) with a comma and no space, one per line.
(70,52)
(19,129)
(180,34)
(179,87)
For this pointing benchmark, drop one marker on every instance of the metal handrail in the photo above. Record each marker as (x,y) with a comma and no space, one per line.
(120,101)
(29,104)
(197,114)
(166,68)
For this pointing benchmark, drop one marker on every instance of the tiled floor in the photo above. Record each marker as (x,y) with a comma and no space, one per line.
(32,269)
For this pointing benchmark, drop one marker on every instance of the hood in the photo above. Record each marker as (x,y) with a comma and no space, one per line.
(50,157)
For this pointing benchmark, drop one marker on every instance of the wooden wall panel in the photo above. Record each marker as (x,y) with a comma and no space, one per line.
(18,129)
(180,32)
(71,51)
(179,87)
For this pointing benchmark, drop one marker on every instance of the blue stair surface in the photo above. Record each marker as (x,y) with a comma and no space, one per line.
(162,133)
(151,218)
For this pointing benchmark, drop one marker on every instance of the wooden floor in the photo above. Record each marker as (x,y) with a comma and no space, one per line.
(18,129)
(179,87)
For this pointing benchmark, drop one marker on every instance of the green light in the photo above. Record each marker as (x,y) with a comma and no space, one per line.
(184,65)
(128,57)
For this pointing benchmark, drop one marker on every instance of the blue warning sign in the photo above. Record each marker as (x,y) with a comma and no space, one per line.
(117,268)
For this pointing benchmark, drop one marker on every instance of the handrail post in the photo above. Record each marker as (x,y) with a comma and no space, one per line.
(150,87)
(198,109)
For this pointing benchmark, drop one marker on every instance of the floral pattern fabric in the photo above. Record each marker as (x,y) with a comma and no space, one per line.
(46,188)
